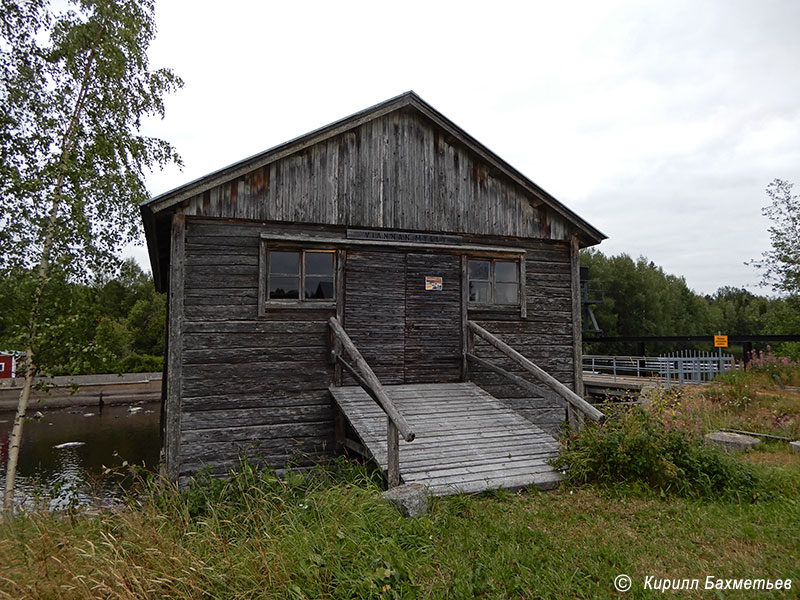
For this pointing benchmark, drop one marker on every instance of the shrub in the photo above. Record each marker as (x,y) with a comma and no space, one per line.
(636,448)
(141,363)
(773,365)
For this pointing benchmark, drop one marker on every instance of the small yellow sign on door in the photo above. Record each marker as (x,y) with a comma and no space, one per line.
(433,284)
(720,341)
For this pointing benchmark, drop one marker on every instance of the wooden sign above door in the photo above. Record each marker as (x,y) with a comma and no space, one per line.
(409,237)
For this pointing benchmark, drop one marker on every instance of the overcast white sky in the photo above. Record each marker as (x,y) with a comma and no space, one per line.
(660,123)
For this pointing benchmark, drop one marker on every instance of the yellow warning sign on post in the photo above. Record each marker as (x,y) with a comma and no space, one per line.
(720,341)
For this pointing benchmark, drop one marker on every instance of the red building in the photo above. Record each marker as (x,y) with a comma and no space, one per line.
(7,365)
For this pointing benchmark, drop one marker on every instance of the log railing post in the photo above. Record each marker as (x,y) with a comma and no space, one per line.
(369,382)
(393,454)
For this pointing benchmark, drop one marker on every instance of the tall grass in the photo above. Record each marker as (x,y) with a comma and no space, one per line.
(328,534)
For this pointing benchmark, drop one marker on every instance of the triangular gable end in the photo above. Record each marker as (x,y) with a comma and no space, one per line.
(398,165)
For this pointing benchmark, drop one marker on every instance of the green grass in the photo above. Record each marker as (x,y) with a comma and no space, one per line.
(328,534)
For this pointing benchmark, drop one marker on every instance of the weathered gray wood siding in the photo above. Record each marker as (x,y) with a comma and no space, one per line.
(398,171)
(545,336)
(433,319)
(406,333)
(374,311)
(257,385)
(251,385)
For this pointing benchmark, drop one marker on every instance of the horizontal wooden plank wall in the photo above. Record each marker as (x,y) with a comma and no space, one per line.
(375,310)
(545,336)
(255,386)
(398,171)
(433,320)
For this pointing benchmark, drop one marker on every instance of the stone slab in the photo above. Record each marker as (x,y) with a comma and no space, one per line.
(732,441)
(411,499)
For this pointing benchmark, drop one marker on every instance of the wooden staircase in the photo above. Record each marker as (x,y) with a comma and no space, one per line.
(467,440)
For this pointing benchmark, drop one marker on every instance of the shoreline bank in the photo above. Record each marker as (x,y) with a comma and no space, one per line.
(84,390)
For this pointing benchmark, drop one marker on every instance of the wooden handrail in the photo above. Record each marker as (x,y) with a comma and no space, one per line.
(369,382)
(567,394)
(369,378)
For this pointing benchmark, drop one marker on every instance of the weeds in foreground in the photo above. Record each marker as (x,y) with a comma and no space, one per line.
(771,366)
(328,534)
(636,448)
(751,401)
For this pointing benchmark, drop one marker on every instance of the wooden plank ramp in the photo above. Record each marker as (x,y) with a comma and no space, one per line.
(467,440)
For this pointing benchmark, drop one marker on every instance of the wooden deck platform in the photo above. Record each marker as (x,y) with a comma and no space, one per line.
(467,440)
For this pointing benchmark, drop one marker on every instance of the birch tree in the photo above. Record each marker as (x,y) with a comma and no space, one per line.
(780,265)
(74,88)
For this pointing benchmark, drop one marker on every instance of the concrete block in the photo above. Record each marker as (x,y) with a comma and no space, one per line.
(411,500)
(732,441)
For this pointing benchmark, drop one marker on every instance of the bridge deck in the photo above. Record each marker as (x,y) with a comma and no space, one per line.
(467,440)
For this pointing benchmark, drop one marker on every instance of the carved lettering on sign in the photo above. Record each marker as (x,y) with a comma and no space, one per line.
(402,236)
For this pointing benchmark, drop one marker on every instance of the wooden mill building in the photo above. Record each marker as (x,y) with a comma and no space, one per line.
(387,263)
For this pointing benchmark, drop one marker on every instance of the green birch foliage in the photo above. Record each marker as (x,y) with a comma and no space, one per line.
(74,88)
(114,325)
(781,264)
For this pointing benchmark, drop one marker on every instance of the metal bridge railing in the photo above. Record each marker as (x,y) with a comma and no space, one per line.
(680,368)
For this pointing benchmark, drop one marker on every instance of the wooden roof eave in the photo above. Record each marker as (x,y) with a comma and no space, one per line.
(595,235)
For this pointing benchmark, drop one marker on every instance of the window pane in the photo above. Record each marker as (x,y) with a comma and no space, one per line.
(319,263)
(506,293)
(319,288)
(505,271)
(479,292)
(282,287)
(479,269)
(285,263)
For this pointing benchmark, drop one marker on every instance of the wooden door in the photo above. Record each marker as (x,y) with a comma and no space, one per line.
(433,318)
(407,333)
(375,308)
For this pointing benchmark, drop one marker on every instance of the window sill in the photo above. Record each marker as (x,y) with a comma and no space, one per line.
(299,304)
(503,308)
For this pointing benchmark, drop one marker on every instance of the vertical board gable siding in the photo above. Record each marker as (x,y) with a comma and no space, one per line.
(396,172)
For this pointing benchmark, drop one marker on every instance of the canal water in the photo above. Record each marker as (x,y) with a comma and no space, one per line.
(65,453)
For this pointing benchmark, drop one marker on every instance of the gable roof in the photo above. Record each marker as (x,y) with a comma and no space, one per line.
(161,204)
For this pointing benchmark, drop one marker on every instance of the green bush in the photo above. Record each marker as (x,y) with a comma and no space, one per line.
(141,363)
(634,447)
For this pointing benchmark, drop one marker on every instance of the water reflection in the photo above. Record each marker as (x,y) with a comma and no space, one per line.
(73,474)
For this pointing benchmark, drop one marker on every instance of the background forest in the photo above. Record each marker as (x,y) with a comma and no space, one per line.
(117,325)
(107,326)
(638,299)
